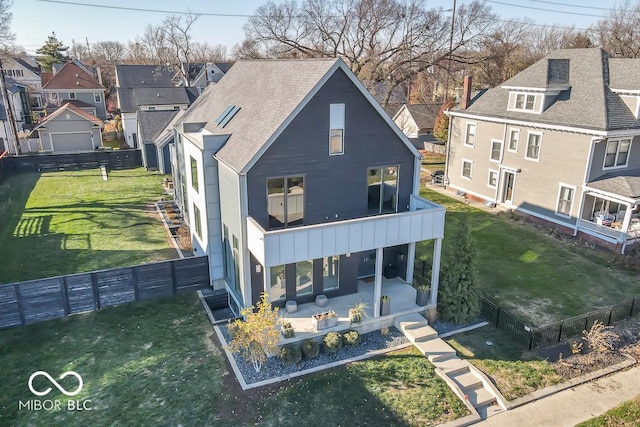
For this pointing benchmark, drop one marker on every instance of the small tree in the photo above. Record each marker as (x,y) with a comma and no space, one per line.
(458,298)
(441,125)
(257,334)
(51,52)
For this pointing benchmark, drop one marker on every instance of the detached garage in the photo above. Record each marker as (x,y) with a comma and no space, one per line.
(70,129)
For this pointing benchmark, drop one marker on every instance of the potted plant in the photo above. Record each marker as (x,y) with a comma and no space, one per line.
(385,305)
(324,320)
(358,312)
(423,291)
(287,330)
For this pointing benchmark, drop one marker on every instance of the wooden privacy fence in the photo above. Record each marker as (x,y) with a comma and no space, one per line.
(119,159)
(554,333)
(38,300)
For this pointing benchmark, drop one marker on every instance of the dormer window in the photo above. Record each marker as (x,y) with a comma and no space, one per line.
(525,102)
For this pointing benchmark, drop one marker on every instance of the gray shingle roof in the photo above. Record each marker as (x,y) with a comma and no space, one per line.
(267,92)
(224,66)
(424,114)
(133,76)
(588,103)
(152,123)
(624,183)
(130,99)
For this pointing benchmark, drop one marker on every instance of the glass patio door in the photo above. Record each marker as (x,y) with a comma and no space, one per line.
(509,180)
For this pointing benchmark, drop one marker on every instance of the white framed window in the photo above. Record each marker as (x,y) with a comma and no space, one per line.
(524,102)
(566,195)
(97,98)
(534,141)
(197,221)
(72,95)
(336,129)
(470,134)
(496,150)
(492,180)
(467,168)
(617,153)
(514,135)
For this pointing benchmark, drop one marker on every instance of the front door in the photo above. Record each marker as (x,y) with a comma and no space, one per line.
(509,180)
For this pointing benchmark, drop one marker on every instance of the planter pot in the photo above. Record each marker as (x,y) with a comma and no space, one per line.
(422,298)
(288,333)
(321,321)
(385,307)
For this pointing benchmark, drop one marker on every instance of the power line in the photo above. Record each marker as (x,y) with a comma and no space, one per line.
(138,9)
(573,5)
(543,9)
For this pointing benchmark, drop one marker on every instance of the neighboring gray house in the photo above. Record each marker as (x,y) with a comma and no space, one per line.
(417,121)
(202,74)
(296,183)
(559,141)
(165,145)
(72,82)
(69,129)
(151,125)
(28,75)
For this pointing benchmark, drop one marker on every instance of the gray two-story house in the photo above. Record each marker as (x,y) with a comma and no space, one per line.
(296,183)
(558,141)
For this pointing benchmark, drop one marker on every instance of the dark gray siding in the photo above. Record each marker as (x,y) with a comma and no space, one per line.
(335,186)
(150,156)
(598,158)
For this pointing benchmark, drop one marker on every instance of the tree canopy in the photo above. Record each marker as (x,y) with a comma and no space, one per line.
(53,51)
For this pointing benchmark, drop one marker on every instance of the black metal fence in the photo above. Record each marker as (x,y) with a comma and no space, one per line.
(38,300)
(531,338)
(118,159)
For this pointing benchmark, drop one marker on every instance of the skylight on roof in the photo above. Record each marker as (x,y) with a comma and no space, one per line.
(226,118)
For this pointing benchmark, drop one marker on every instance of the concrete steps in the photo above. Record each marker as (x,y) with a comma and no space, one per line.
(467,382)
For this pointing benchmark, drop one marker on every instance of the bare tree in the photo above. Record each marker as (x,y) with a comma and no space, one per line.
(177,33)
(6,36)
(79,51)
(248,49)
(619,34)
(110,52)
(204,52)
(388,41)
(149,48)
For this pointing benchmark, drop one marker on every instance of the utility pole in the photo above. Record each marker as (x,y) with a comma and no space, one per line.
(9,108)
(86,39)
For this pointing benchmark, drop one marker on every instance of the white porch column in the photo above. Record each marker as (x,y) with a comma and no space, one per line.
(411,260)
(627,218)
(435,271)
(377,289)
(266,280)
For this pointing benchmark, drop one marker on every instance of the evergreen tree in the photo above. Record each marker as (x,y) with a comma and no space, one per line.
(458,297)
(441,125)
(52,52)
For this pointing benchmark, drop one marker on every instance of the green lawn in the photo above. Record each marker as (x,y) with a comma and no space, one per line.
(534,276)
(625,415)
(156,363)
(515,373)
(73,221)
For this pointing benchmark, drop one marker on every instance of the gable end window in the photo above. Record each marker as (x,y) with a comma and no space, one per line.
(565,200)
(467,166)
(194,174)
(617,154)
(97,97)
(336,129)
(533,146)
(72,95)
(470,135)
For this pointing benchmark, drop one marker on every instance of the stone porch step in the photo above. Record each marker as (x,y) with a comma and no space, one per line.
(479,397)
(410,321)
(466,380)
(421,334)
(436,350)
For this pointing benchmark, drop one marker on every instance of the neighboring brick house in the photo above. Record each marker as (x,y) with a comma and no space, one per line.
(559,141)
(297,183)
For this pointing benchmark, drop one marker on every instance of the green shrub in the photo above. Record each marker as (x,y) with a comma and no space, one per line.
(291,354)
(332,342)
(352,338)
(310,348)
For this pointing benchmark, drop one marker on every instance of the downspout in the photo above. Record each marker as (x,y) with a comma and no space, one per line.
(446,163)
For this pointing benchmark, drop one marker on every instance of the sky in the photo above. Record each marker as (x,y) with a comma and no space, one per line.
(34,20)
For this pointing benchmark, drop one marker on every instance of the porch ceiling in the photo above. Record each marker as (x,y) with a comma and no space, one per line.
(291,245)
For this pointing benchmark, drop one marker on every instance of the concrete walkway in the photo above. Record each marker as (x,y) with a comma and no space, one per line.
(574,405)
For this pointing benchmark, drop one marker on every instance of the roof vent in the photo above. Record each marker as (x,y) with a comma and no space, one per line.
(227,115)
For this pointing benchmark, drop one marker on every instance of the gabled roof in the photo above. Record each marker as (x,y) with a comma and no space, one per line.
(268,94)
(68,107)
(12,85)
(153,123)
(625,74)
(424,115)
(223,66)
(130,99)
(584,101)
(623,183)
(78,103)
(71,77)
(23,63)
(166,134)
(135,76)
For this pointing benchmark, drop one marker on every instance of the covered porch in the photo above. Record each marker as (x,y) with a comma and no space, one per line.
(610,209)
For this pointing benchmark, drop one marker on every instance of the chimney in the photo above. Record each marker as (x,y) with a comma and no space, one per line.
(466,92)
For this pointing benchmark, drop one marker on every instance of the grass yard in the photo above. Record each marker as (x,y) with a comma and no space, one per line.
(433,161)
(515,373)
(73,221)
(625,415)
(145,363)
(532,275)
(156,362)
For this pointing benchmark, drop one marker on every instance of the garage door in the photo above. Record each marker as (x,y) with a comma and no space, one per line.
(72,142)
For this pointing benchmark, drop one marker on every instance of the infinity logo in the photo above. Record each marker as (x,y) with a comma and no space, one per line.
(55,383)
